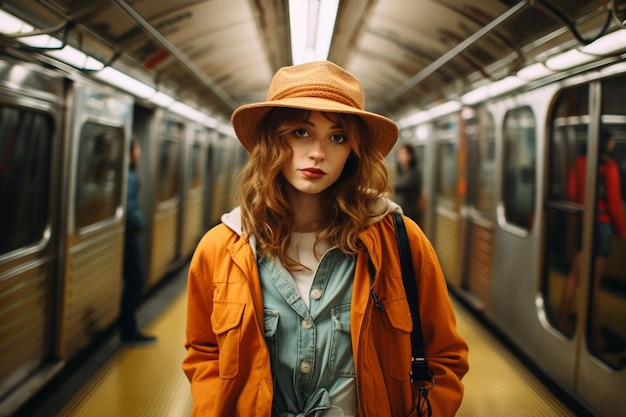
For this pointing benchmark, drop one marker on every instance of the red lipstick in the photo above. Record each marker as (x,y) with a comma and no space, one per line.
(312,173)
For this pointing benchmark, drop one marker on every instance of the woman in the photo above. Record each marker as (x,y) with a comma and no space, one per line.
(408,185)
(296,305)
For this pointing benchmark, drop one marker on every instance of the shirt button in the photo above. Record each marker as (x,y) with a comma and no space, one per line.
(307,324)
(305,367)
(316,293)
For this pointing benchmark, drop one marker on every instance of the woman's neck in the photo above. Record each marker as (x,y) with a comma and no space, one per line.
(307,209)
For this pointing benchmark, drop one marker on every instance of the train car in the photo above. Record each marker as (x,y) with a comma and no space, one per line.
(64,142)
(31,248)
(506,232)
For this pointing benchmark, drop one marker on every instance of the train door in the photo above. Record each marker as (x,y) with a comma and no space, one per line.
(584,282)
(479,206)
(447,219)
(165,248)
(193,187)
(30,235)
(514,256)
(99,133)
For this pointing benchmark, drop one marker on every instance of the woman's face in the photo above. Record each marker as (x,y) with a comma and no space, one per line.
(319,151)
(404,156)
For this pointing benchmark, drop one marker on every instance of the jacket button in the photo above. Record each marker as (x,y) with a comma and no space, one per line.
(307,324)
(305,367)
(316,293)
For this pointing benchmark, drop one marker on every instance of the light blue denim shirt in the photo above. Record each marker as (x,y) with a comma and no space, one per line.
(310,348)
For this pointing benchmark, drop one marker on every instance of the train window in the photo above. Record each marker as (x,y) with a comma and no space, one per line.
(606,327)
(447,178)
(570,122)
(25,149)
(169,161)
(100,168)
(520,159)
(566,243)
(481,141)
(614,118)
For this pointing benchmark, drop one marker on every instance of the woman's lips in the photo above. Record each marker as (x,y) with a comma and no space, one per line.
(312,173)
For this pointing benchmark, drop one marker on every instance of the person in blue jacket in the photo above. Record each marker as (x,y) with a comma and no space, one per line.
(133,269)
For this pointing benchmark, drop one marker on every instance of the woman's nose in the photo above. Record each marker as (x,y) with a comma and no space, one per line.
(317,150)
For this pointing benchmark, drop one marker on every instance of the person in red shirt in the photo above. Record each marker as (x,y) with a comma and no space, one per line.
(609,219)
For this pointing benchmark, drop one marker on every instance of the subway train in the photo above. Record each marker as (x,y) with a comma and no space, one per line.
(494,164)
(64,147)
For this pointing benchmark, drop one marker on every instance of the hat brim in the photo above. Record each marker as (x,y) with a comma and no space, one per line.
(246,120)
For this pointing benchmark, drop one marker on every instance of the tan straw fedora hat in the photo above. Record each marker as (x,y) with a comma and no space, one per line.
(322,86)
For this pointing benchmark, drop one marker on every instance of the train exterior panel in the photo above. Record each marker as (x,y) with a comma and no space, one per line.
(98,134)
(167,204)
(64,141)
(506,233)
(193,197)
(31,120)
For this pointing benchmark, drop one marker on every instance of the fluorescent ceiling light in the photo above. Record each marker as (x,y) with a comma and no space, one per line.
(123,81)
(161,99)
(609,44)
(413,119)
(188,112)
(534,72)
(11,25)
(76,58)
(492,90)
(505,85)
(569,59)
(475,96)
(445,108)
(312,23)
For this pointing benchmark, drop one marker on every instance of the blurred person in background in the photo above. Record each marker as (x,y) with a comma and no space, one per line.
(134,275)
(408,184)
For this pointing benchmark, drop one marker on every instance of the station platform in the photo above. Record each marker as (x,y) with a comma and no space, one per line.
(112,380)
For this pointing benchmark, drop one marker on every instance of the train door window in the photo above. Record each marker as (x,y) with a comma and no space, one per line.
(481,161)
(447,164)
(569,133)
(571,138)
(519,183)
(169,161)
(99,179)
(25,149)
(607,317)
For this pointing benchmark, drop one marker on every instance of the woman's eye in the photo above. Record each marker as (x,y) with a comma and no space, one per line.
(338,138)
(301,133)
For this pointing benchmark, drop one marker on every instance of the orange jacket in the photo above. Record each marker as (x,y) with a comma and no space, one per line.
(227,360)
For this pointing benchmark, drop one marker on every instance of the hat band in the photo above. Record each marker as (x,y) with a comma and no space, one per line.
(319,91)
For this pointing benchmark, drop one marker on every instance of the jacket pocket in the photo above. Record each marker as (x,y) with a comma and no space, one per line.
(398,335)
(341,360)
(226,321)
(270,320)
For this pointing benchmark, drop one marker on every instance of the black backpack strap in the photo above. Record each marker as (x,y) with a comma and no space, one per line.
(421,377)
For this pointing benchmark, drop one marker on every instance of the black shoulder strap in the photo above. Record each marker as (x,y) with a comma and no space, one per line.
(419,363)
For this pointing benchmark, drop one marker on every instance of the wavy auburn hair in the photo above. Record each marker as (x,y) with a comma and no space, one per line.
(266,211)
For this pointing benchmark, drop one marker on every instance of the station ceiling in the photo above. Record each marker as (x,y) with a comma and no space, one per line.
(220,54)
